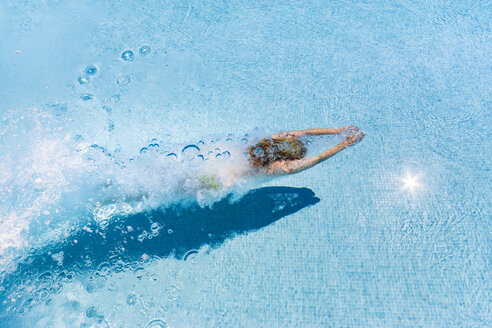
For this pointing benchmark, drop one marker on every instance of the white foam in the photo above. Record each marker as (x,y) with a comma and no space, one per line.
(51,184)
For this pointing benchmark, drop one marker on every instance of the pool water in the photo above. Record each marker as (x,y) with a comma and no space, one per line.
(106,108)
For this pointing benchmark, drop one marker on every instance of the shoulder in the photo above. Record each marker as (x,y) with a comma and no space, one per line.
(278,168)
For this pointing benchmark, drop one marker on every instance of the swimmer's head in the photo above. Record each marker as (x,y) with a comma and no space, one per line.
(270,150)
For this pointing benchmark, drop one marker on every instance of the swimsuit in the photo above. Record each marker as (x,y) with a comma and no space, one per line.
(209,182)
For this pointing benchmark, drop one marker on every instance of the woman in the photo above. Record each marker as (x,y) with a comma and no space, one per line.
(284,153)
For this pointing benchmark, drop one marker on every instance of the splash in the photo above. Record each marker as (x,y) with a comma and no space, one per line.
(52,183)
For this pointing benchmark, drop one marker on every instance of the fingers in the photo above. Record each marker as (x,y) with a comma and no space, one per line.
(355,138)
(359,137)
(349,130)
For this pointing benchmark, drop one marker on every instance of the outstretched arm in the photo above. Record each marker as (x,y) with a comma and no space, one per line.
(295,166)
(315,132)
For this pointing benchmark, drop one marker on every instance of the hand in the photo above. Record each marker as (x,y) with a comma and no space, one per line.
(353,139)
(348,130)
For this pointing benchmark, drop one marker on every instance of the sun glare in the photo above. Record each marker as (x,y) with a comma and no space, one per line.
(411,182)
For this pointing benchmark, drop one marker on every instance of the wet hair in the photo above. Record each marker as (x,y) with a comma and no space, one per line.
(270,150)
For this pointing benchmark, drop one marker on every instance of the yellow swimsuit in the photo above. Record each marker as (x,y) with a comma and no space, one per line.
(209,182)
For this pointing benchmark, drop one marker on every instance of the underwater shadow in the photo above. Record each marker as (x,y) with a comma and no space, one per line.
(177,230)
(160,233)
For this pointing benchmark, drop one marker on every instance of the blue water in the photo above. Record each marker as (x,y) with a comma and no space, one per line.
(99,230)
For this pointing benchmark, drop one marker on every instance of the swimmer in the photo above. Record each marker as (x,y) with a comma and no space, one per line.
(280,154)
(284,153)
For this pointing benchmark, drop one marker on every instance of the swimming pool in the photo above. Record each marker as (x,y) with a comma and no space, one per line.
(394,232)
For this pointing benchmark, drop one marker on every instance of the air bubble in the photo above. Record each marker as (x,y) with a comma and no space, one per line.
(115,98)
(190,150)
(123,80)
(57,287)
(145,50)
(144,150)
(87,97)
(170,231)
(154,146)
(154,227)
(58,109)
(91,312)
(190,255)
(259,152)
(104,224)
(103,268)
(127,55)
(43,294)
(144,235)
(197,161)
(83,80)
(173,293)
(172,156)
(28,303)
(90,70)
(131,299)
(156,323)
(45,276)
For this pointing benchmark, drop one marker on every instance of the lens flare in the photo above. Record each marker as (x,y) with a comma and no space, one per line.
(411,182)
